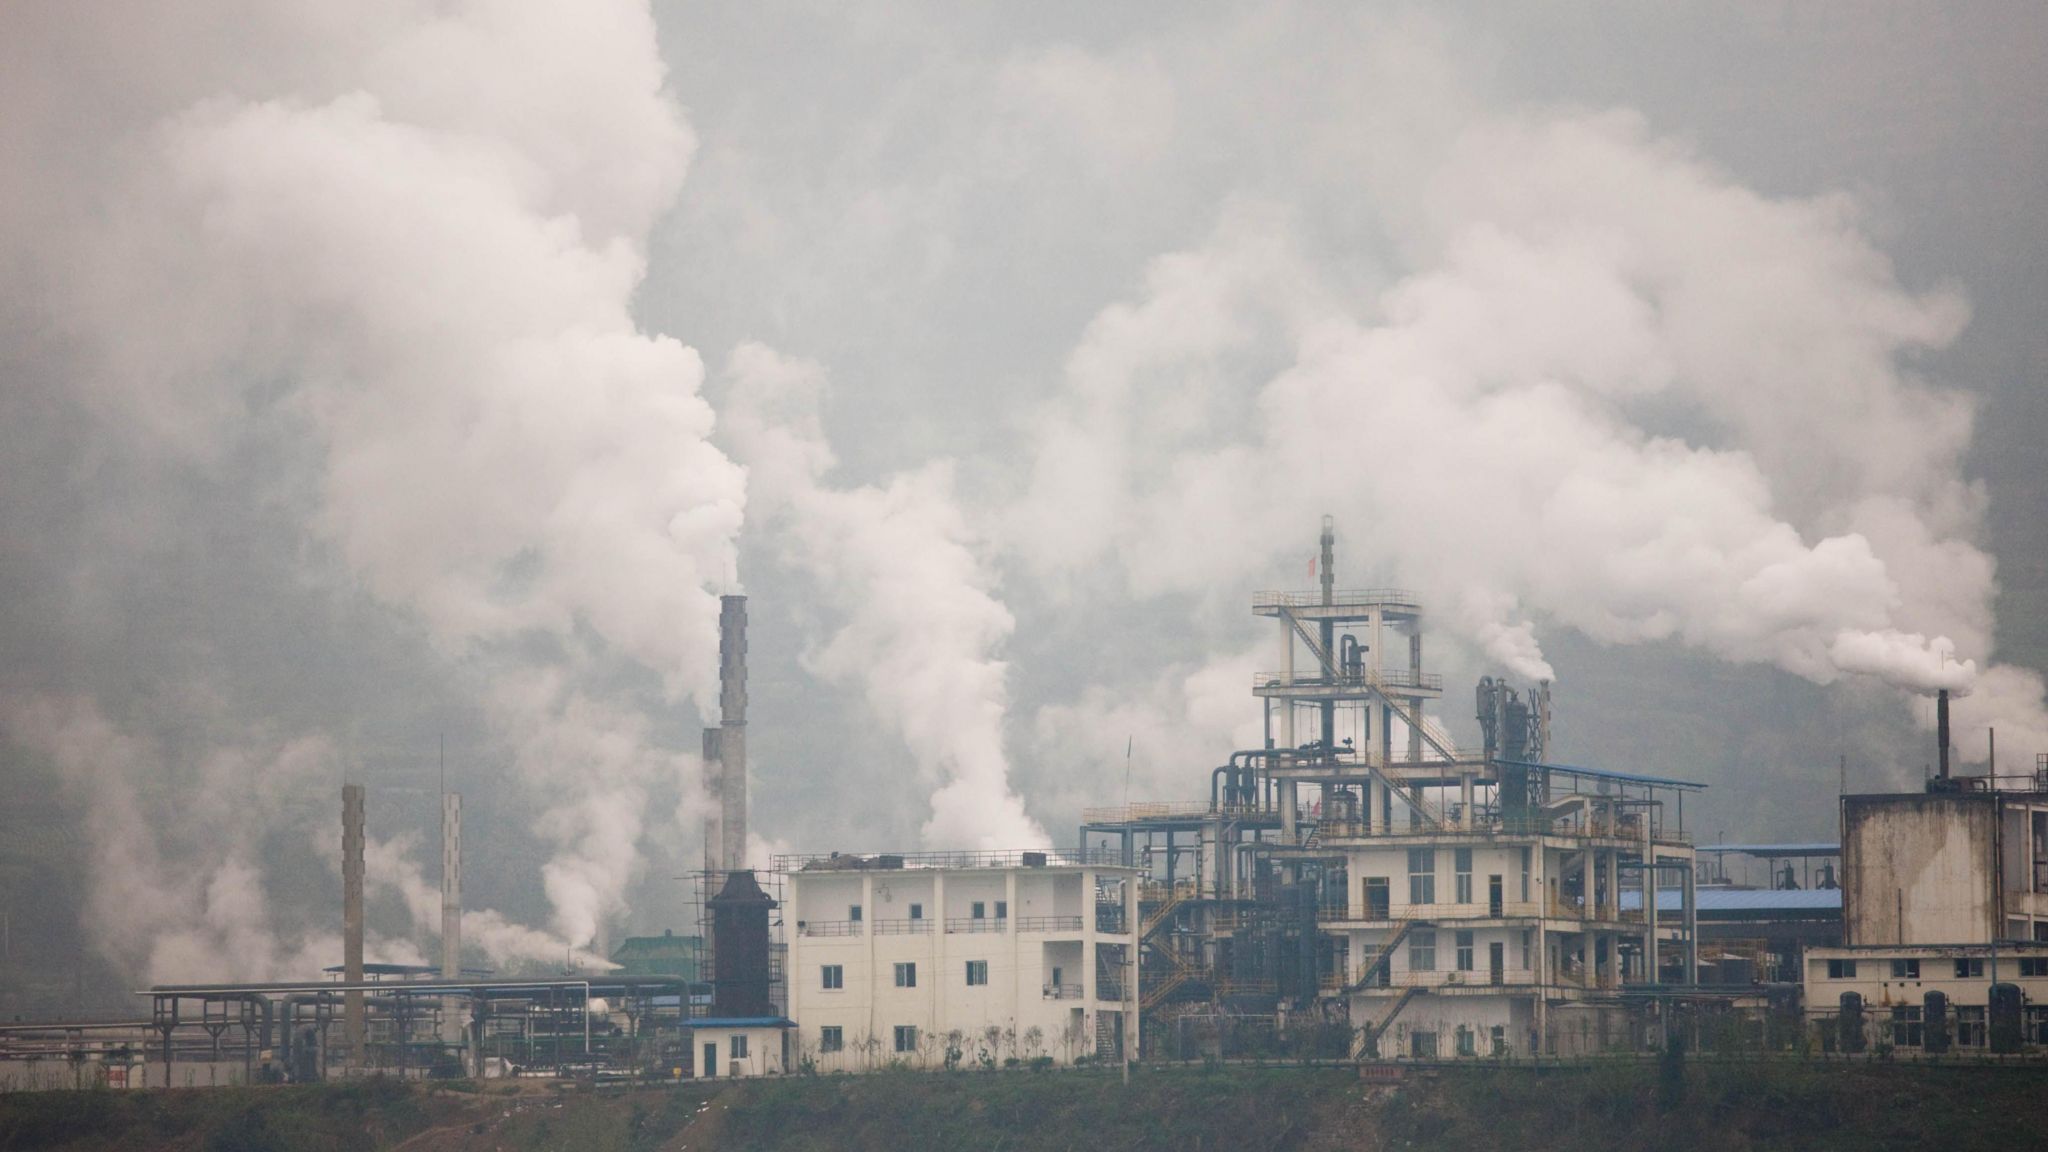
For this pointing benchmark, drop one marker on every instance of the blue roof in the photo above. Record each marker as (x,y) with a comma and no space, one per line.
(1607,774)
(1779,850)
(743,1022)
(1727,900)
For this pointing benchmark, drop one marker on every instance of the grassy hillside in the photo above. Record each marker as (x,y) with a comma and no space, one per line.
(1709,1109)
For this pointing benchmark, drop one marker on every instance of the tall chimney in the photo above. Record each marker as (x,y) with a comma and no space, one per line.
(352,915)
(451,885)
(732,735)
(1941,728)
(453,1027)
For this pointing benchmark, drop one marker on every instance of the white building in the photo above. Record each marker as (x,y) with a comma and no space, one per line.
(962,957)
(1501,934)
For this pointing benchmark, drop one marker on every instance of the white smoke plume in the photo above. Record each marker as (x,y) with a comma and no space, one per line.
(1618,393)
(404,249)
(922,630)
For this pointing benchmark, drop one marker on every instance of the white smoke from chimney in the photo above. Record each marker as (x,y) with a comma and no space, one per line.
(407,251)
(922,628)
(1618,393)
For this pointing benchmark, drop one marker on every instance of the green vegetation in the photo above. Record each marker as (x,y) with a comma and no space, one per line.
(1669,1105)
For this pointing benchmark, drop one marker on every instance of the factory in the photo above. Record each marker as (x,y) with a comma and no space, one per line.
(1360,877)
(1357,887)
(1944,918)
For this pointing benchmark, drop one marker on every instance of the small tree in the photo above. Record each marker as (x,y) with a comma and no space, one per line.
(955,1048)
(1071,1037)
(1034,1041)
(869,1045)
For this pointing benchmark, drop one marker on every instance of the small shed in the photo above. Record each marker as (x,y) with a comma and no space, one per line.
(741,1046)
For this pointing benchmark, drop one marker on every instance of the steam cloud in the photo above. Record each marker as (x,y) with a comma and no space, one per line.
(376,281)
(399,249)
(923,626)
(1580,285)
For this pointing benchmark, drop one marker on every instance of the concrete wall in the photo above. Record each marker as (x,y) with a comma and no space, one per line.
(1930,858)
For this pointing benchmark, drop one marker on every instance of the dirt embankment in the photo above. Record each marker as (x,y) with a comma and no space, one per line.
(1701,1108)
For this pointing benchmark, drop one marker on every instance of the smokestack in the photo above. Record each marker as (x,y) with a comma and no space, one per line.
(451,884)
(1941,728)
(352,914)
(725,747)
(452,1025)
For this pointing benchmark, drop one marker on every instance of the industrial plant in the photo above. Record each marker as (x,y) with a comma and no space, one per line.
(1356,888)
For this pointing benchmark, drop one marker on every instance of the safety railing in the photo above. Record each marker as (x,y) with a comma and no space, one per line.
(828,927)
(1340,598)
(1458,978)
(903,927)
(975,924)
(1048,924)
(1062,992)
(894,861)
(1440,913)
(1390,679)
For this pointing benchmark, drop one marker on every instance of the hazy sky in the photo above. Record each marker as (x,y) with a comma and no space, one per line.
(426,371)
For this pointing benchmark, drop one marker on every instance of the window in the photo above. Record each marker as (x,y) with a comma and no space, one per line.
(2036,1025)
(906,1037)
(833,977)
(1056,974)
(977,973)
(739,1047)
(1910,969)
(1002,909)
(1422,950)
(979,908)
(917,911)
(906,975)
(1974,969)
(1422,1045)
(1467,1045)
(1464,951)
(1969,1026)
(2032,965)
(1461,860)
(1525,951)
(1422,875)
(853,913)
(831,1039)
(1841,969)
(1525,878)
(1500,1040)
(1906,1026)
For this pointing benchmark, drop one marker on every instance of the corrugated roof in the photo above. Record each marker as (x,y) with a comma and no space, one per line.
(1733,900)
(1607,774)
(1779,850)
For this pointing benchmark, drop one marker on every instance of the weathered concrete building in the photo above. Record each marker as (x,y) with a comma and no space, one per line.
(933,958)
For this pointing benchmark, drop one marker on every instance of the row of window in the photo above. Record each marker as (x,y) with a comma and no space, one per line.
(1422,1045)
(1422,950)
(1422,875)
(832,1038)
(976,911)
(832,977)
(1967,968)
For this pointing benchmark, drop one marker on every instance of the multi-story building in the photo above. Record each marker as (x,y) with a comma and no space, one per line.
(960,957)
